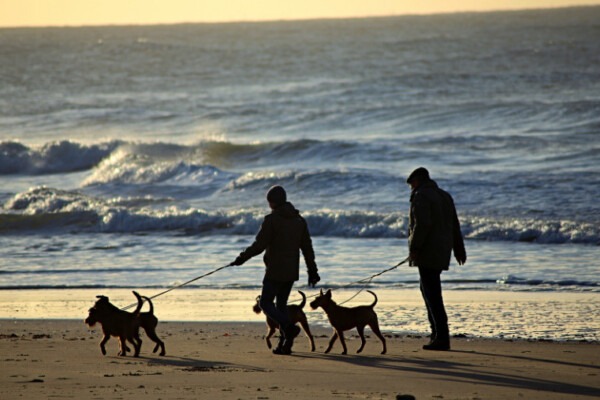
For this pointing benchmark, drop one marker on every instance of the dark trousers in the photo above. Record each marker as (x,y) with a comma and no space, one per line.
(431,289)
(273,301)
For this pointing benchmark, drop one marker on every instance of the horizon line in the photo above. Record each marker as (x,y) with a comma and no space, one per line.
(282,20)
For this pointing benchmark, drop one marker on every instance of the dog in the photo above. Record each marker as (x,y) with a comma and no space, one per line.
(295,314)
(116,322)
(148,321)
(345,318)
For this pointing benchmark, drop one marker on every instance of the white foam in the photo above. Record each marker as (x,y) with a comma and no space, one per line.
(115,216)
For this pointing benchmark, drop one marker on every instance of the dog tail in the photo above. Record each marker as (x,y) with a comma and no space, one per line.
(140,302)
(256,307)
(303,299)
(374,295)
(150,304)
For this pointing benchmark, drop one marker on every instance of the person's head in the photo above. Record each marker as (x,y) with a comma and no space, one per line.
(417,177)
(276,196)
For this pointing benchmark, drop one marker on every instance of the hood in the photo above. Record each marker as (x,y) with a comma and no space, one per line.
(286,210)
(425,185)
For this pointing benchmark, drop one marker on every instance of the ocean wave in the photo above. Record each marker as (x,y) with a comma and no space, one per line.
(531,230)
(302,149)
(46,208)
(159,161)
(44,200)
(330,182)
(515,280)
(126,162)
(123,169)
(513,284)
(54,157)
(127,170)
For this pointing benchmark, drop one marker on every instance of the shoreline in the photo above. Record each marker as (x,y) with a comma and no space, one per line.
(58,358)
(397,335)
(554,316)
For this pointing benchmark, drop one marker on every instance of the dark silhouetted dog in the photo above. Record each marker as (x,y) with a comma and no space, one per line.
(295,315)
(148,321)
(345,318)
(116,322)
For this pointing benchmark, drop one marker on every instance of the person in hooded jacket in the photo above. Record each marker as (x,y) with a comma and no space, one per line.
(434,232)
(282,235)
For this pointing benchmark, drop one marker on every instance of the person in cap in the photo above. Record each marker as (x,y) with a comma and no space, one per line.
(282,235)
(434,232)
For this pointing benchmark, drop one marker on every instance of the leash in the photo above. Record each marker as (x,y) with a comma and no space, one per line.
(364,281)
(180,285)
(368,280)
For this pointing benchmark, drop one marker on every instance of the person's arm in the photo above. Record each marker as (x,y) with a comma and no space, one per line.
(309,256)
(422,224)
(262,240)
(459,245)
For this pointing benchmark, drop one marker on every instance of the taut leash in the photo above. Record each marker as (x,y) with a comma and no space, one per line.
(364,281)
(181,285)
(368,280)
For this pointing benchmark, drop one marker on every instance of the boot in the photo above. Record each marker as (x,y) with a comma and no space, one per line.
(290,334)
(279,348)
(439,343)
(432,337)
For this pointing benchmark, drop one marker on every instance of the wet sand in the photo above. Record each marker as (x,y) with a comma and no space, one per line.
(61,359)
(474,313)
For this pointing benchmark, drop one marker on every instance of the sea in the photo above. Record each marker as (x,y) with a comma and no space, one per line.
(139,156)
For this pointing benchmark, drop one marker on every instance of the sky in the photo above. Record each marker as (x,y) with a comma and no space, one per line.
(18,13)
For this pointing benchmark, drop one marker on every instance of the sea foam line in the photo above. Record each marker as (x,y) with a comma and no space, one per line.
(42,209)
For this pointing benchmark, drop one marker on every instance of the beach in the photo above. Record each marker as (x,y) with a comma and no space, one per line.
(61,359)
(139,157)
(545,315)
(226,357)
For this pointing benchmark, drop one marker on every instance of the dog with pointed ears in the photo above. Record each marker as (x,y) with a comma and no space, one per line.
(346,318)
(116,322)
(295,314)
(148,321)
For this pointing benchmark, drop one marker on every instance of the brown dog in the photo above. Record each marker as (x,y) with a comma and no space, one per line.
(116,322)
(148,321)
(295,314)
(344,318)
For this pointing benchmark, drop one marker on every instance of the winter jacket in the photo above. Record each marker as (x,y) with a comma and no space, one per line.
(283,234)
(434,230)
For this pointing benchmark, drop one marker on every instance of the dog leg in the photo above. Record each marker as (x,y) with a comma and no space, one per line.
(123,345)
(159,343)
(270,332)
(162,348)
(137,343)
(361,333)
(304,324)
(343,342)
(103,343)
(375,328)
(332,341)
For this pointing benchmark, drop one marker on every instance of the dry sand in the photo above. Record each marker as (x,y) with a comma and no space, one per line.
(43,359)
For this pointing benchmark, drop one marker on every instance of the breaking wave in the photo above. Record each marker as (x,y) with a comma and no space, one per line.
(46,208)
(54,157)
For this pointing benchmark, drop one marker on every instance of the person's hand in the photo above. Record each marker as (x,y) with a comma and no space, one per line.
(313,278)
(413,256)
(461,259)
(237,261)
